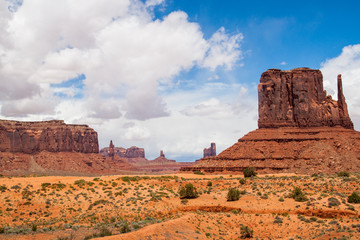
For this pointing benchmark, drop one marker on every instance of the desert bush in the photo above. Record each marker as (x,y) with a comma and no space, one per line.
(354,198)
(80,182)
(198,172)
(333,202)
(125,228)
(298,195)
(249,172)
(2,230)
(209,183)
(34,228)
(246,232)
(45,185)
(233,194)
(188,192)
(242,181)
(343,174)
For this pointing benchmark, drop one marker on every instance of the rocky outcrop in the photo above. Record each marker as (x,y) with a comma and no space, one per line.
(301,130)
(134,159)
(132,152)
(211,151)
(296,98)
(51,136)
(135,152)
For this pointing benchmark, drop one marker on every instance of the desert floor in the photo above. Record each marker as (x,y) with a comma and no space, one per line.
(149,207)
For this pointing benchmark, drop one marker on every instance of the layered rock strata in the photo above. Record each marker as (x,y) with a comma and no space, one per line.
(296,99)
(301,130)
(49,147)
(51,136)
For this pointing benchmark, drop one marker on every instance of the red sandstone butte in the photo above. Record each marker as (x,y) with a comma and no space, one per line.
(49,147)
(301,130)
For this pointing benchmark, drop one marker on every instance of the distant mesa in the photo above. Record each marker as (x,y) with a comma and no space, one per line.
(211,151)
(301,129)
(49,147)
(51,136)
(132,152)
(134,158)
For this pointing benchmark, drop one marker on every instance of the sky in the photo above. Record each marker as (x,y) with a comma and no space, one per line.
(171,75)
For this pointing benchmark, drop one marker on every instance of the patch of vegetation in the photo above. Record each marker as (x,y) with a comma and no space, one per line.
(246,232)
(343,174)
(242,181)
(209,184)
(198,172)
(333,202)
(45,185)
(3,188)
(103,233)
(188,192)
(233,194)
(354,198)
(298,195)
(249,172)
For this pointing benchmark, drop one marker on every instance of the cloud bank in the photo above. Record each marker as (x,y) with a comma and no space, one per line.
(102,63)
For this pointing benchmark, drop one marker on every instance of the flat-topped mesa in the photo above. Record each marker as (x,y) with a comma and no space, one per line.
(51,136)
(296,98)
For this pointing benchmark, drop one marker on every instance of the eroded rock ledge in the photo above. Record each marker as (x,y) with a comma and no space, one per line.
(51,136)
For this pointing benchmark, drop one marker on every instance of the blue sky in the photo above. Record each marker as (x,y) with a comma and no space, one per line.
(301,33)
(165,74)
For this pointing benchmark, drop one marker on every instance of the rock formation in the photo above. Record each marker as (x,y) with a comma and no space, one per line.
(211,151)
(132,152)
(296,99)
(301,130)
(134,159)
(49,147)
(135,152)
(162,154)
(51,136)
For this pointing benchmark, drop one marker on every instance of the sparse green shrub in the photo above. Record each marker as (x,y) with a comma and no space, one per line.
(2,230)
(188,192)
(198,172)
(80,182)
(3,188)
(281,199)
(246,232)
(184,201)
(343,174)
(209,183)
(125,228)
(242,181)
(233,194)
(354,198)
(45,185)
(298,195)
(249,172)
(34,228)
(333,202)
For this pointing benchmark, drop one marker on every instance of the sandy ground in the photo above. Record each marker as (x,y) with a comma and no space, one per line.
(149,207)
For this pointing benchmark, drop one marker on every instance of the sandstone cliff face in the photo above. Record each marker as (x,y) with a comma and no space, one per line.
(301,130)
(296,98)
(211,151)
(51,136)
